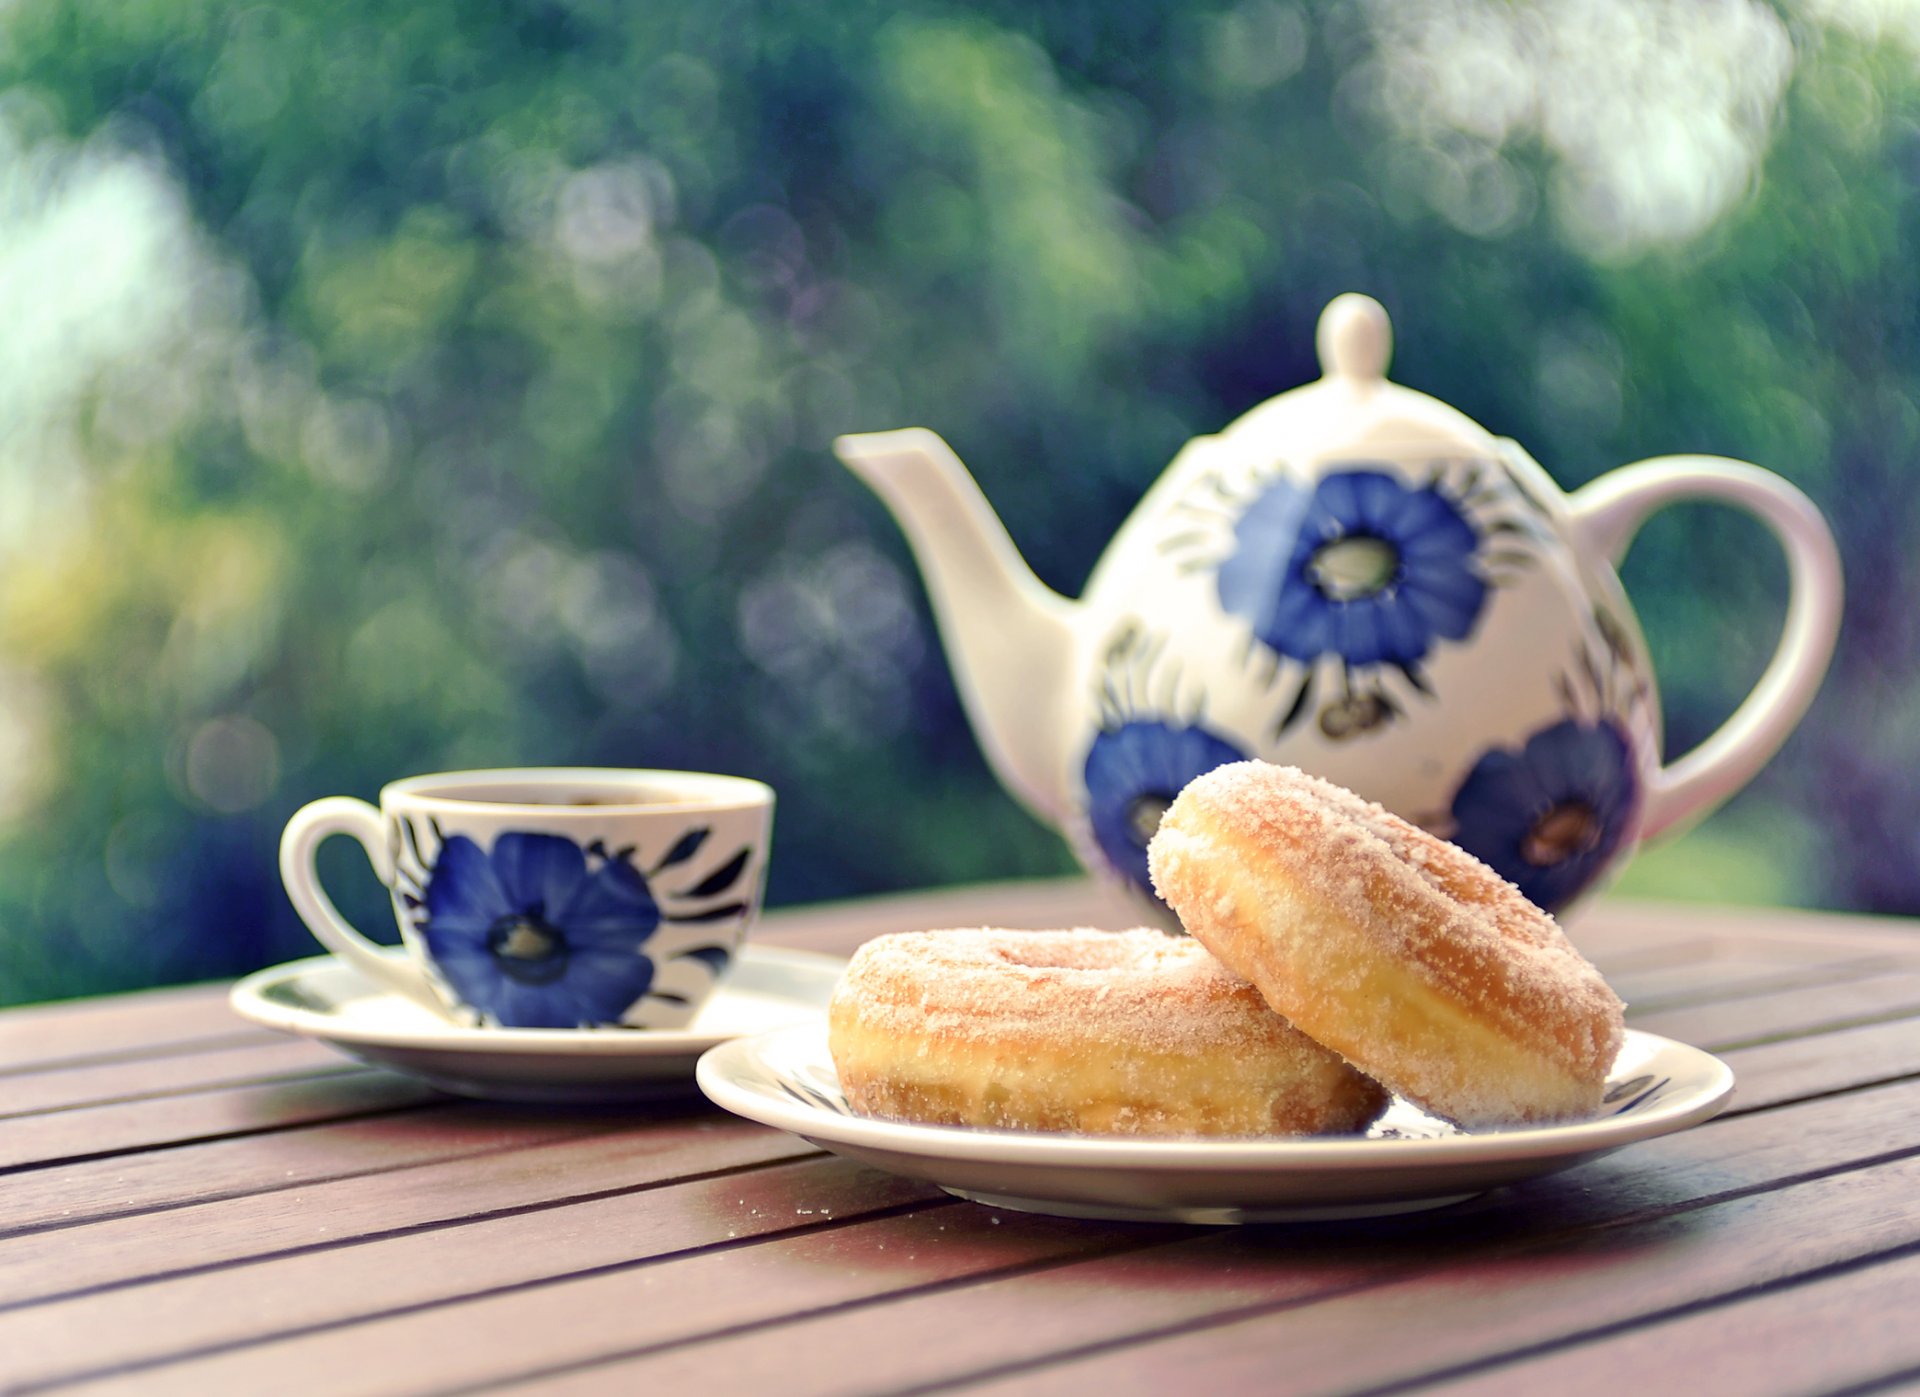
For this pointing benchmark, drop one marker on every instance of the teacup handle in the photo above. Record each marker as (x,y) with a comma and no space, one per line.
(1606,515)
(311,826)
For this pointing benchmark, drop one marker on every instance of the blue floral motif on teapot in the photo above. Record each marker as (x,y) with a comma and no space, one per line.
(1360,567)
(1549,816)
(1133,773)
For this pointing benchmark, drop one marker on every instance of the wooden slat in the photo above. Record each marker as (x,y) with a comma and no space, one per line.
(1795,1068)
(1657,950)
(133,1249)
(1619,924)
(1628,958)
(99,1130)
(1470,1312)
(1760,1018)
(1213,1275)
(1836,1333)
(1628,930)
(156,1181)
(1719,977)
(574,1320)
(838,928)
(138,1024)
(361,1280)
(221,1065)
(1331,1309)
(331,1247)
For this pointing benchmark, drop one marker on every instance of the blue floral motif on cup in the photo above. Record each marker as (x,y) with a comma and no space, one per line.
(1361,566)
(1133,772)
(532,937)
(1548,817)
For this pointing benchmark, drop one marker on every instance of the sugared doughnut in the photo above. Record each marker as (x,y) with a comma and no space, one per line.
(1406,955)
(1105,1032)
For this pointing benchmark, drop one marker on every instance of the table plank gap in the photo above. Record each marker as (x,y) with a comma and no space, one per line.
(227,1306)
(1807,1068)
(123,1023)
(1849,1089)
(206,1219)
(89,1087)
(971,1240)
(1825,1028)
(230,1230)
(1131,1310)
(107,1132)
(1785,1013)
(1607,931)
(1905,1383)
(405,1231)
(1325,1328)
(1435,1290)
(1802,1310)
(1611,926)
(300,1155)
(426,1308)
(1868,1084)
(156,1210)
(182,1047)
(1685,986)
(1664,956)
(931,1290)
(1532,1229)
(1867,1135)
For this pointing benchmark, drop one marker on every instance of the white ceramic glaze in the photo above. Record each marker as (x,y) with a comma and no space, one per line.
(1408,1162)
(329,1000)
(548,897)
(1357,579)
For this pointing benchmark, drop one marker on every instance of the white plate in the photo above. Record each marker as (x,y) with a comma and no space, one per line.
(326,999)
(1408,1162)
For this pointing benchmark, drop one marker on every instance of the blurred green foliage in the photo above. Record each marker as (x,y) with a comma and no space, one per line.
(394,389)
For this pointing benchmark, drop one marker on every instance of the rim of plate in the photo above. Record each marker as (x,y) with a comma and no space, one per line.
(248,999)
(719,1074)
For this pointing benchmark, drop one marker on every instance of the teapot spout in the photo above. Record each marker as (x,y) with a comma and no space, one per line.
(1013,642)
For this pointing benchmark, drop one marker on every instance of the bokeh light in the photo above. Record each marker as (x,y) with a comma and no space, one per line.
(389,391)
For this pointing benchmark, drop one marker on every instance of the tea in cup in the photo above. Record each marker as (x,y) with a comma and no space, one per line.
(548,897)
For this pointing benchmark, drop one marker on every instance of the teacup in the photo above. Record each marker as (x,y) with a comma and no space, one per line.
(548,897)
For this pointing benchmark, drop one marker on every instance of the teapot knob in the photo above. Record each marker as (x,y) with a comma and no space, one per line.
(1355,338)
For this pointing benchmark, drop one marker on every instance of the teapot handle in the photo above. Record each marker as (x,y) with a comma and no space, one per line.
(1608,512)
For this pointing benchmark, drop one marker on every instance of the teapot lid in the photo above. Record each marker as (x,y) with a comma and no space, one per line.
(1354,409)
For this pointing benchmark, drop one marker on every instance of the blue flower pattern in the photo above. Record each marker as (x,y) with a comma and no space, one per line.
(1133,772)
(1549,817)
(1360,566)
(531,937)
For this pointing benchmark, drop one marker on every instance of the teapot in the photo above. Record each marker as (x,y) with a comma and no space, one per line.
(1357,579)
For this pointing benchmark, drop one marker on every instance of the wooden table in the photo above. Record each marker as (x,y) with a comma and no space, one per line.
(197,1205)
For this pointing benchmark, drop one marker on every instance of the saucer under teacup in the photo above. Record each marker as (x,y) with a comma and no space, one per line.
(326,999)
